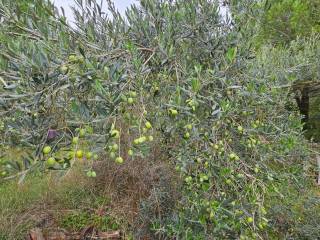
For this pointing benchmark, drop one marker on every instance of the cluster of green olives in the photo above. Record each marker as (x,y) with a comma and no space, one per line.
(76,152)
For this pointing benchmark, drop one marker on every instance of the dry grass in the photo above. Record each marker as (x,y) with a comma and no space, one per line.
(117,191)
(129,184)
(137,180)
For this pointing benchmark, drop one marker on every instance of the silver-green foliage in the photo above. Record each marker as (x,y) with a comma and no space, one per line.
(218,110)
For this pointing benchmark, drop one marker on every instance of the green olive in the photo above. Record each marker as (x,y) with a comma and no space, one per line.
(187,135)
(51,162)
(115,147)
(89,155)
(148,125)
(82,132)
(249,220)
(240,128)
(46,150)
(133,94)
(79,154)
(115,133)
(75,140)
(173,112)
(119,160)
(112,155)
(130,100)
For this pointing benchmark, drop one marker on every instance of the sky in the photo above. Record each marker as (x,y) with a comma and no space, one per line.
(120,4)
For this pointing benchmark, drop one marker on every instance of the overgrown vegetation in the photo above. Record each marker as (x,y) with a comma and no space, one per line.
(169,123)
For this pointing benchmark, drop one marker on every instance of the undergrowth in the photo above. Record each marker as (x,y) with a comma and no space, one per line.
(47,201)
(114,201)
(76,202)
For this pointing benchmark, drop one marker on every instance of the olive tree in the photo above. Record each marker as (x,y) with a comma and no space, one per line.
(173,72)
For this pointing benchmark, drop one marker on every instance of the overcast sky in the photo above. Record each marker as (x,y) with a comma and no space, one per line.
(120,4)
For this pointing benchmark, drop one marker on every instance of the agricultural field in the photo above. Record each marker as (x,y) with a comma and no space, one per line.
(171,120)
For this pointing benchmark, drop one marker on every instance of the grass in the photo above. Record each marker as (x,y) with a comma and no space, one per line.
(73,202)
(47,201)
(78,220)
(16,202)
(296,214)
